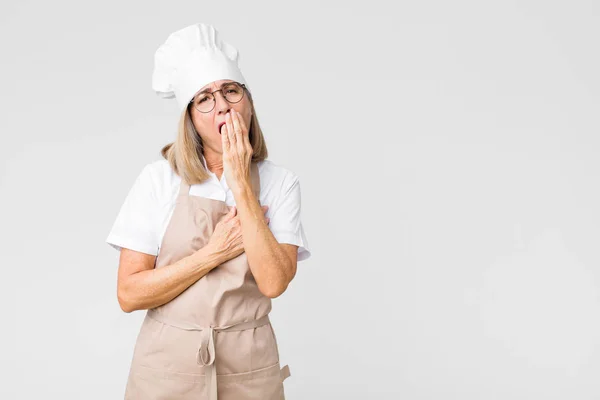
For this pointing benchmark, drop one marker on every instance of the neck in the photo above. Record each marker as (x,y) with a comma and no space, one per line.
(214,162)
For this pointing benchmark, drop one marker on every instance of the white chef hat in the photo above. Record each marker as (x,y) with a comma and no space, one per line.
(191,58)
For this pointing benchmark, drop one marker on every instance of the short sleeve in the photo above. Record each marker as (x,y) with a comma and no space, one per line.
(135,227)
(285,217)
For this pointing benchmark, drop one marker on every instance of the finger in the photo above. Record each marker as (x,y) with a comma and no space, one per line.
(237,128)
(225,140)
(230,214)
(230,132)
(241,133)
(227,217)
(243,125)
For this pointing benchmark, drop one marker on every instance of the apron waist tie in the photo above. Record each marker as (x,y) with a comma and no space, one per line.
(207,345)
(206,352)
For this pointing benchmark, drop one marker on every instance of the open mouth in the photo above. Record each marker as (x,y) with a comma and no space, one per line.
(220,126)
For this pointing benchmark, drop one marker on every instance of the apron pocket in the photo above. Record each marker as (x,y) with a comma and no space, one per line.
(146,383)
(260,384)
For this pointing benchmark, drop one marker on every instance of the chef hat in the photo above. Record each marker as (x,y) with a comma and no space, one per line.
(191,58)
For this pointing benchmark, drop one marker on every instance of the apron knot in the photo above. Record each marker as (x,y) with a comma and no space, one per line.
(206,351)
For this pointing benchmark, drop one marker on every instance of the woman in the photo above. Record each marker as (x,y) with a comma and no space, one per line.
(197,250)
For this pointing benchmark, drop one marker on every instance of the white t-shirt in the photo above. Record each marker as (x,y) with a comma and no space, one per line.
(148,207)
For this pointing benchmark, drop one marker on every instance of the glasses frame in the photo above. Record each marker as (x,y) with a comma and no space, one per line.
(215,97)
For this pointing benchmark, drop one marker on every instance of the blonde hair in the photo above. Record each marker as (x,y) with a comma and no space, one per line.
(184,155)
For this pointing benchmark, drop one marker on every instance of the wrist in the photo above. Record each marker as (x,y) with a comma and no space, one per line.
(207,257)
(241,190)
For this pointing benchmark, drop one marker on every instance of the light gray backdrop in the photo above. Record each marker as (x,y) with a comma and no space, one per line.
(448,160)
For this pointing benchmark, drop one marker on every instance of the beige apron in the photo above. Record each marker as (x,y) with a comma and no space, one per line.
(215,338)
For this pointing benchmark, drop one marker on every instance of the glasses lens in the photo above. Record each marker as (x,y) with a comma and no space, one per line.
(233,92)
(204,102)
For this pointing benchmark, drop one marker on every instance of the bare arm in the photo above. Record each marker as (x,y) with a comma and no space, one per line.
(141,286)
(273,264)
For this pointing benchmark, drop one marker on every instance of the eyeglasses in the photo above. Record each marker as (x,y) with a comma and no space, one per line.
(232,91)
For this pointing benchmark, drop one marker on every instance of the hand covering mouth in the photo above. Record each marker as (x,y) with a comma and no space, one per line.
(220,126)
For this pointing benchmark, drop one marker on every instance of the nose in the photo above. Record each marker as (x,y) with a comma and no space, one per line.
(221,105)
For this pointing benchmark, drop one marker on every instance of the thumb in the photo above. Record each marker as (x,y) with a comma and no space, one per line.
(230,214)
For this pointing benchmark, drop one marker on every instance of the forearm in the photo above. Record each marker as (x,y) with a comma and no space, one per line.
(268,262)
(152,288)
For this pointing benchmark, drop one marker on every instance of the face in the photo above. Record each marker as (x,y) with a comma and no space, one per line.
(207,124)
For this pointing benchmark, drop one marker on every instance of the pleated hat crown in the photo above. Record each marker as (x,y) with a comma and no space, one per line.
(191,58)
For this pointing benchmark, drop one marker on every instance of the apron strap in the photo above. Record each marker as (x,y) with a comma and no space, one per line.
(284,373)
(184,188)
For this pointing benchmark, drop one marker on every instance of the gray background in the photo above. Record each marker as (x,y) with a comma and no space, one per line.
(448,159)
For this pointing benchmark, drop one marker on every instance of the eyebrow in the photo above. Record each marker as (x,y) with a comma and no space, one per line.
(209,89)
